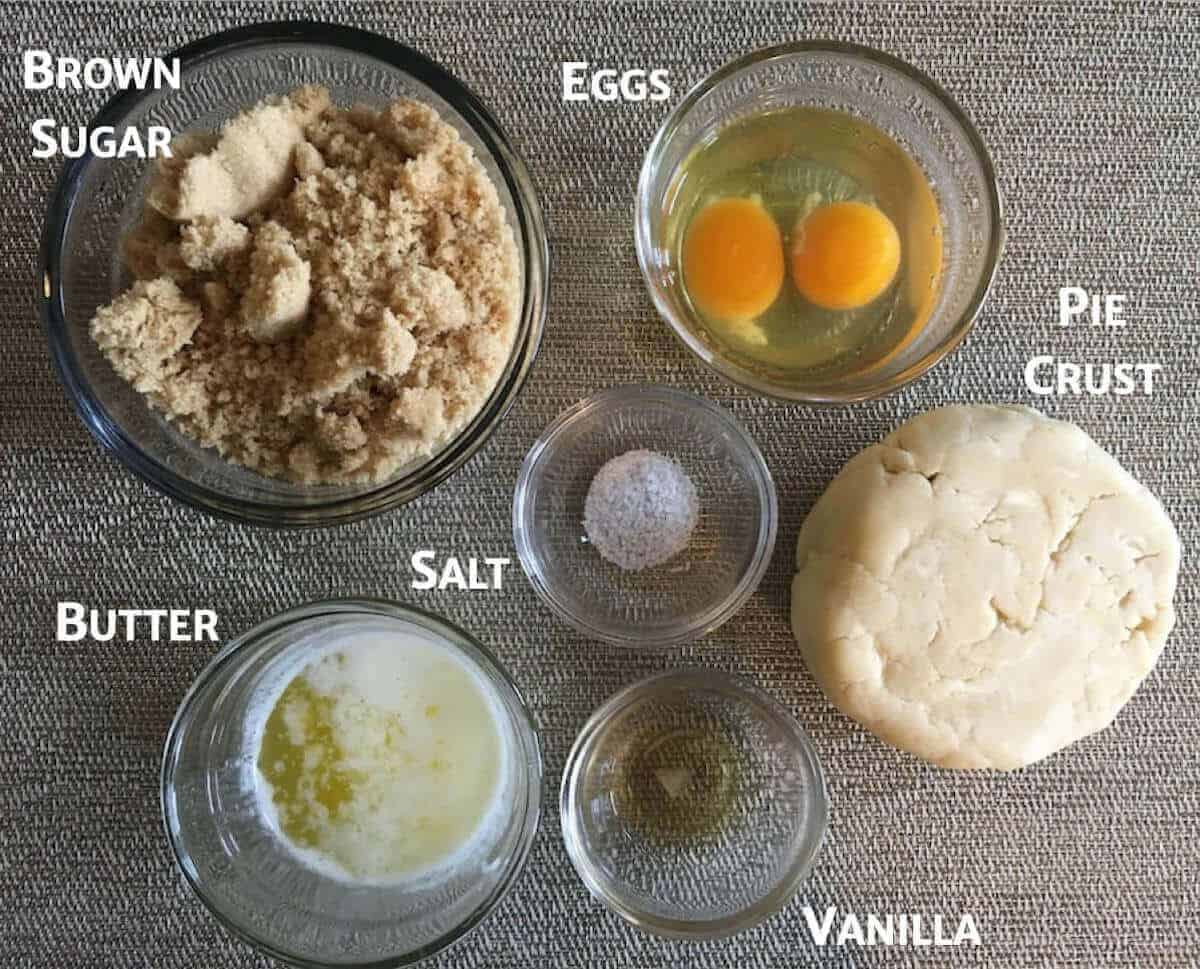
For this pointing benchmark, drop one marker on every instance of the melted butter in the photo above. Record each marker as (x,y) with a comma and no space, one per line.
(382,759)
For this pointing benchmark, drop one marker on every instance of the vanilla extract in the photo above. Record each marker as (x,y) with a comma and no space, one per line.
(678,784)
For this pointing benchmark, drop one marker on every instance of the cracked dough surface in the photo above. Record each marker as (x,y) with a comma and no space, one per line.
(984,587)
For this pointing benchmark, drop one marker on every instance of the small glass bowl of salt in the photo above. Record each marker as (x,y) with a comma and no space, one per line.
(645,516)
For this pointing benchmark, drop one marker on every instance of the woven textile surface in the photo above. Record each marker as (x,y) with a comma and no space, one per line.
(1087,859)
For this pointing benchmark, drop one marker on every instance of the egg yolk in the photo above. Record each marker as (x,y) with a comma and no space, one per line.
(733,262)
(844,255)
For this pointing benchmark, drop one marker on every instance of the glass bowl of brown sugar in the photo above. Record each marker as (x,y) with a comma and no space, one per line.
(86,257)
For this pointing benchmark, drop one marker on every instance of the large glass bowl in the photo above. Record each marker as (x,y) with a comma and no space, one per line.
(97,199)
(239,866)
(896,98)
(693,804)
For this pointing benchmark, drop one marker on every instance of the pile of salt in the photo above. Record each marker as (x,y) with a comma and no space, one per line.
(641,510)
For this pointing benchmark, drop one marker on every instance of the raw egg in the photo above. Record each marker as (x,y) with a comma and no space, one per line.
(844,255)
(733,261)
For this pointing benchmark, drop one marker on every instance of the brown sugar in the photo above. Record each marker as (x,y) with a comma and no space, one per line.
(320,294)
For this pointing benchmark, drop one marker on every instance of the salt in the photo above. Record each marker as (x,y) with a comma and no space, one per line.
(641,510)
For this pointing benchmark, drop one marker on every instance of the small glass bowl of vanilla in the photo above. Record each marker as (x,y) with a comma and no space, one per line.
(693,804)
(353,782)
(818,222)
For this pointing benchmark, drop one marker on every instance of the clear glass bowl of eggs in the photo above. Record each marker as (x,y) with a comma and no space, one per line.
(818,222)
(644,516)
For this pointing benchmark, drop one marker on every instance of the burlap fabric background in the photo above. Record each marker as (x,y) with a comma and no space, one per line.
(1088,859)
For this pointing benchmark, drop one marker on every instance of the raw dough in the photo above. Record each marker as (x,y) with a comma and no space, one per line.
(984,587)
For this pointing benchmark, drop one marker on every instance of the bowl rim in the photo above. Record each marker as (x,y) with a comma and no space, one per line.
(809,845)
(744,378)
(247,641)
(532,241)
(714,616)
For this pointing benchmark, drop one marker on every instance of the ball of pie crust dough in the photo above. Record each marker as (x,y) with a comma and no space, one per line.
(984,587)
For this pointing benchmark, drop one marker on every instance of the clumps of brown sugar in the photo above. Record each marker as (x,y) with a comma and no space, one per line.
(321,294)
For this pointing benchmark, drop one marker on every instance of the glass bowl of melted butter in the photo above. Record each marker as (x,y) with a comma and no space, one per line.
(818,222)
(352,783)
